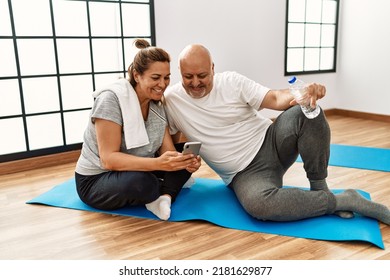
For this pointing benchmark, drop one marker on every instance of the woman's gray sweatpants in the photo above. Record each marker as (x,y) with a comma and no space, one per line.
(259,186)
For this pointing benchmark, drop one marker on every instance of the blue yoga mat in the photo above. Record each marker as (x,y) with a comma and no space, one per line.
(359,157)
(210,200)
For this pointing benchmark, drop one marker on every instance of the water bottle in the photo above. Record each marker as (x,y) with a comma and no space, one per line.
(298,90)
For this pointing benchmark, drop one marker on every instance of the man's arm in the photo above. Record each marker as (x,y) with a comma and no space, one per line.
(277,100)
(282,99)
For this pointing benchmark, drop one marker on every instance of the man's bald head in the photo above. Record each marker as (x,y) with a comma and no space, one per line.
(197,70)
(196,50)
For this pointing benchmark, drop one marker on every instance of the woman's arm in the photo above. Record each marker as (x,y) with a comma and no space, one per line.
(167,144)
(109,135)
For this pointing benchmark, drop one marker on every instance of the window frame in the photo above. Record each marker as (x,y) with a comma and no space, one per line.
(305,47)
(23,116)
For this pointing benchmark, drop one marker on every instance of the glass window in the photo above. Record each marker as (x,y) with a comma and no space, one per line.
(14,141)
(105,20)
(311,36)
(51,61)
(136,20)
(104,79)
(44,131)
(75,10)
(107,55)
(74,56)
(75,124)
(76,92)
(10,98)
(40,95)
(32,18)
(5,23)
(7,58)
(36,56)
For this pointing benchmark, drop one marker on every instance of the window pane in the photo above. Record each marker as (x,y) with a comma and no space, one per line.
(329,11)
(32,18)
(312,59)
(65,10)
(10,98)
(76,92)
(36,56)
(296,10)
(313,38)
(102,80)
(295,60)
(44,131)
(75,124)
(296,35)
(74,55)
(14,141)
(40,95)
(5,24)
(7,58)
(136,20)
(107,55)
(327,57)
(105,20)
(313,11)
(328,35)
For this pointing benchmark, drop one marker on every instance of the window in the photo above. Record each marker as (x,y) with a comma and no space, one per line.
(53,58)
(311,36)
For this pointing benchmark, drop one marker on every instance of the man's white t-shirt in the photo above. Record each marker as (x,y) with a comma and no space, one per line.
(226,121)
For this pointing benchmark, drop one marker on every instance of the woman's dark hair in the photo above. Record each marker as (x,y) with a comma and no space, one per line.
(146,56)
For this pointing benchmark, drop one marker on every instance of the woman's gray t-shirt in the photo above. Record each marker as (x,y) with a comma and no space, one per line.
(106,106)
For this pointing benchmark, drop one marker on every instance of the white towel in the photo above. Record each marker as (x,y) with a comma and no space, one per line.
(133,122)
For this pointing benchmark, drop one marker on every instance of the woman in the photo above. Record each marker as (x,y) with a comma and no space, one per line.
(128,157)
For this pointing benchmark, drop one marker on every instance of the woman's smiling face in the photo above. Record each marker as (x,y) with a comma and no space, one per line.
(153,82)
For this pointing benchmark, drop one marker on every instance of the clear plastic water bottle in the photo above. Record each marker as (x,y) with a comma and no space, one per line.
(298,90)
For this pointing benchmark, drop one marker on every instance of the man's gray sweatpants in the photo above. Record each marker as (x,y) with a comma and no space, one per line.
(259,186)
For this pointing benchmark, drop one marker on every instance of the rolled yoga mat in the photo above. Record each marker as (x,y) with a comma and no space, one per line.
(210,200)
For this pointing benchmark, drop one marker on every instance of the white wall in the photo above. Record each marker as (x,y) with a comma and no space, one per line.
(248,36)
(363,73)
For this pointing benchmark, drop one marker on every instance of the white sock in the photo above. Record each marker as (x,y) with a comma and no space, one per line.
(161,207)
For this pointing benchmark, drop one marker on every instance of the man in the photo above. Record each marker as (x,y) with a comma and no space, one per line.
(251,153)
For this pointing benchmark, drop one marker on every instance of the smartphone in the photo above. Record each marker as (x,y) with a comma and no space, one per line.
(192,148)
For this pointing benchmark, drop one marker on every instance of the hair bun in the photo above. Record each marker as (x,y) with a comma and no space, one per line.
(141,44)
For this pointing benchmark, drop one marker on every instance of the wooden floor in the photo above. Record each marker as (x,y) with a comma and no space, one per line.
(34,232)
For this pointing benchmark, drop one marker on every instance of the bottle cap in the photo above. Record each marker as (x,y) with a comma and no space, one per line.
(292,80)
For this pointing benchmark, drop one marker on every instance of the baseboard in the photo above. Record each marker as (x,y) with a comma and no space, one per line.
(357,115)
(38,162)
(71,157)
